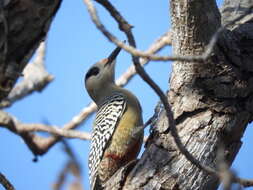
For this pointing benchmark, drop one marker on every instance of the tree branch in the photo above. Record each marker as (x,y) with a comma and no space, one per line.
(160,43)
(232,9)
(39,145)
(72,166)
(36,78)
(6,184)
(133,51)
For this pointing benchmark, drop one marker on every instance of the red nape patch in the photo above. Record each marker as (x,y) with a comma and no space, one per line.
(113,156)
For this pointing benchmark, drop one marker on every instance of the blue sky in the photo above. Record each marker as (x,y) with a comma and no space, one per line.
(74,45)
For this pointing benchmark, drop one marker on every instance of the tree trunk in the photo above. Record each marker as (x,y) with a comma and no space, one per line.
(23,25)
(212,101)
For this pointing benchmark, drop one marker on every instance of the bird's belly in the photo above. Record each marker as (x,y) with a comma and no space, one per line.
(123,147)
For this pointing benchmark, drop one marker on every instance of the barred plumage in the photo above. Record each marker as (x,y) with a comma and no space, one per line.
(105,123)
(116,137)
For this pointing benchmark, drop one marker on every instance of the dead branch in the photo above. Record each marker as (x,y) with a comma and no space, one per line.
(9,122)
(36,78)
(244,182)
(226,176)
(71,166)
(38,145)
(161,42)
(5,182)
(125,27)
(67,133)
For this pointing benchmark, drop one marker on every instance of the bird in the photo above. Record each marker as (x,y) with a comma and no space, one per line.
(117,133)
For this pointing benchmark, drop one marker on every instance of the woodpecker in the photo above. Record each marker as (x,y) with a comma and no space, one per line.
(117,130)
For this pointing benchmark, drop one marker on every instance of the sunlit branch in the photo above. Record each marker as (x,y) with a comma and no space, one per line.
(35,78)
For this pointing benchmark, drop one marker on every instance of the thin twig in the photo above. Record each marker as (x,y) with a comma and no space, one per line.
(6,184)
(61,178)
(244,182)
(79,118)
(72,166)
(162,41)
(132,50)
(226,176)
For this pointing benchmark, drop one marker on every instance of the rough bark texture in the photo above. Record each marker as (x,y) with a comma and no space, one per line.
(211,101)
(23,24)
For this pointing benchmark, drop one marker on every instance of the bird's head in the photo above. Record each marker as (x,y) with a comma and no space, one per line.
(101,75)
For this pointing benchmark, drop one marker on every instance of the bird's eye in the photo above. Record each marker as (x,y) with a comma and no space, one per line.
(92,72)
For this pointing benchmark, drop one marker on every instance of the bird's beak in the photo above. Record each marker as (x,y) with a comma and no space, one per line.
(113,56)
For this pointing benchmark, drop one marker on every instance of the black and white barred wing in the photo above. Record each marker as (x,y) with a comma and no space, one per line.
(105,123)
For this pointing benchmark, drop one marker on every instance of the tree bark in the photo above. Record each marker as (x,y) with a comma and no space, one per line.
(23,25)
(211,101)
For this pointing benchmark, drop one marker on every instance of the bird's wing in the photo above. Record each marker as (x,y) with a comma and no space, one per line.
(105,124)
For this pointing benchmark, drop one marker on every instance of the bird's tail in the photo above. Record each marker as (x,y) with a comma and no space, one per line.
(96,185)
